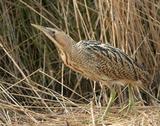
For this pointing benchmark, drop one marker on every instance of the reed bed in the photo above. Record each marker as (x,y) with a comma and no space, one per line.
(36,87)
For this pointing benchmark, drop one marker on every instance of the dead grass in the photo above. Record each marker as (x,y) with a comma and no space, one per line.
(37,89)
(139,116)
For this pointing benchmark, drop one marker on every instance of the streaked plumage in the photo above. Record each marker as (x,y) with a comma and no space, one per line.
(97,61)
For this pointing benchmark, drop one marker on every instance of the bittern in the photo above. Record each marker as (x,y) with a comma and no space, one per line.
(95,60)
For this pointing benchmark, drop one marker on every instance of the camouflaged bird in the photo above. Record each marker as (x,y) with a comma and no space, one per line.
(95,60)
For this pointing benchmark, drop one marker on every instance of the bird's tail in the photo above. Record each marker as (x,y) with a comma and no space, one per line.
(145,78)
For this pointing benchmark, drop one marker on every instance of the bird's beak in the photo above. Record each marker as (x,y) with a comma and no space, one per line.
(38,27)
(46,30)
(49,32)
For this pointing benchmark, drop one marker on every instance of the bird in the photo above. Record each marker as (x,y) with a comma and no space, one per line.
(99,62)
(96,60)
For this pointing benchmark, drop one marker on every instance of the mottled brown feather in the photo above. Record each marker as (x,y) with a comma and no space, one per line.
(97,61)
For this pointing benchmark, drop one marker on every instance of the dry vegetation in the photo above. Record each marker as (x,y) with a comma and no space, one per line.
(37,89)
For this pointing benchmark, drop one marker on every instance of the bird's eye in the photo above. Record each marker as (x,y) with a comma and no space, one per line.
(53,32)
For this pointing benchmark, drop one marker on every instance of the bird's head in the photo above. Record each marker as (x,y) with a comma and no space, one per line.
(61,40)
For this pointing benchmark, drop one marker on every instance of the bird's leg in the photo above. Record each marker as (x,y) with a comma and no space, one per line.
(131,97)
(130,101)
(94,94)
(110,102)
(103,96)
(139,96)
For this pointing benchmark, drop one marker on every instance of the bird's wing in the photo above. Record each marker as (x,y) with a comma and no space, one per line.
(111,61)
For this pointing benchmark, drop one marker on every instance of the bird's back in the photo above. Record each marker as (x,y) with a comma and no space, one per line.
(106,63)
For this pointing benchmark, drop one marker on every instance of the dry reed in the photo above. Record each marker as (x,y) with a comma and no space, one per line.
(33,81)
